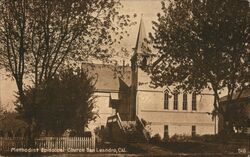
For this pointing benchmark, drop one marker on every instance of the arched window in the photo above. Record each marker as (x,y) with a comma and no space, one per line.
(194,106)
(175,101)
(166,100)
(184,107)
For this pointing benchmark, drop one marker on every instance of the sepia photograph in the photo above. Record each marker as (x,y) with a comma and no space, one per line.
(124,78)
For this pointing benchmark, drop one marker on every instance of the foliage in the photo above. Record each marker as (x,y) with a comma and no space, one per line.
(206,144)
(129,127)
(203,44)
(131,131)
(238,116)
(102,135)
(180,138)
(38,37)
(63,102)
(137,131)
(11,124)
(156,139)
(220,138)
(200,147)
(166,138)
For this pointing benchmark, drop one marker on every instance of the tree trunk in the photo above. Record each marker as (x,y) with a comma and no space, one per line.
(31,134)
(31,122)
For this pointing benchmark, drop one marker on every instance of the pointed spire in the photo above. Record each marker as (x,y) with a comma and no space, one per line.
(141,45)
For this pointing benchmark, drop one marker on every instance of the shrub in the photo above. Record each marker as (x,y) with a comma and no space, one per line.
(156,139)
(166,138)
(209,138)
(180,138)
(130,128)
(101,134)
(240,136)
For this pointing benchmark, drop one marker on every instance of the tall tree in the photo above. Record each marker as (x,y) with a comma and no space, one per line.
(64,102)
(203,44)
(38,37)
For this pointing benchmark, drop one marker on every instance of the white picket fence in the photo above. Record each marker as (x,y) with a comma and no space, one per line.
(64,143)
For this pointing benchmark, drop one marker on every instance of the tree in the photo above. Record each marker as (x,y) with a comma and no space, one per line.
(39,37)
(64,102)
(203,44)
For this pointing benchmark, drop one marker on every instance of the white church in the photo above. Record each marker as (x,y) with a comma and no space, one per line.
(125,95)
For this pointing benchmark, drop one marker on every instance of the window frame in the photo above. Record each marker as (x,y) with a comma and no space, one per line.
(166,100)
(184,102)
(176,103)
(194,101)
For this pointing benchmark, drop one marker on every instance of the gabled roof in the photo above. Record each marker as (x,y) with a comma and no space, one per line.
(245,94)
(108,76)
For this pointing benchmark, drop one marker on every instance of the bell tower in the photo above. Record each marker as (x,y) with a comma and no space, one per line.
(140,58)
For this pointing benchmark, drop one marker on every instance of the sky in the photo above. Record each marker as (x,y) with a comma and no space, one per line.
(149,9)
(145,9)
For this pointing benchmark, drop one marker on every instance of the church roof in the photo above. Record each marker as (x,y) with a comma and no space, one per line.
(108,76)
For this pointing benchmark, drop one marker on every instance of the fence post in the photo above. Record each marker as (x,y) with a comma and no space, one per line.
(94,140)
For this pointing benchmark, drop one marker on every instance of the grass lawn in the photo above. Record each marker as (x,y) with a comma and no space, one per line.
(202,147)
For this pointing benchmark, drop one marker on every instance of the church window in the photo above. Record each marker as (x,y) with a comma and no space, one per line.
(194,105)
(184,101)
(166,100)
(175,101)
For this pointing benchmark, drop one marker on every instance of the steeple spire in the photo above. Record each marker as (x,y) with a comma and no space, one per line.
(141,45)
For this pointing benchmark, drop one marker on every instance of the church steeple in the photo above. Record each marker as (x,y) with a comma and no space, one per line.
(141,56)
(138,60)
(141,46)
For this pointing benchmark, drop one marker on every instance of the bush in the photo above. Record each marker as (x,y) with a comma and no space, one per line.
(166,138)
(156,139)
(221,138)
(130,128)
(203,138)
(240,136)
(63,102)
(180,138)
(101,134)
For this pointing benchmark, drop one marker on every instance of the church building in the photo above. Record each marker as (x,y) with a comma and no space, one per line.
(125,92)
